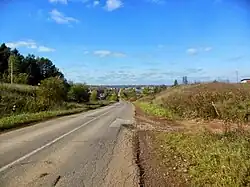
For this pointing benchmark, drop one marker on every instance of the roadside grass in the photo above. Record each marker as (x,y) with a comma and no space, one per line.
(18,88)
(205,159)
(20,120)
(154,110)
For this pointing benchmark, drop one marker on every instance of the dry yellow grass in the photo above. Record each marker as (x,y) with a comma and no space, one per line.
(229,102)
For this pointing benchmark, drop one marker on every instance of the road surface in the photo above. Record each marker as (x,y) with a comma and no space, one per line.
(69,151)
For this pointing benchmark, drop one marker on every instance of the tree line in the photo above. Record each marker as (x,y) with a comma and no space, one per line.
(50,86)
(26,69)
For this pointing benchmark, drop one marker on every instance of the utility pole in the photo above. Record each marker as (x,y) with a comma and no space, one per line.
(11,73)
(10,66)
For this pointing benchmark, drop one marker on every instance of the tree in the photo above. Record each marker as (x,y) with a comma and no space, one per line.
(184,80)
(36,68)
(78,93)
(51,91)
(157,89)
(21,78)
(146,91)
(113,97)
(13,64)
(4,56)
(93,95)
(175,82)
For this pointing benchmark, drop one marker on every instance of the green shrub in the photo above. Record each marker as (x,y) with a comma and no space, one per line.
(78,93)
(154,110)
(93,95)
(51,91)
(113,97)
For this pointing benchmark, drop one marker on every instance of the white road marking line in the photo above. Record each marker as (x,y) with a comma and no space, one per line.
(48,144)
(118,122)
(115,124)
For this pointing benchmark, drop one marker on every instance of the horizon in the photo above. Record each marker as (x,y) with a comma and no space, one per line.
(125,42)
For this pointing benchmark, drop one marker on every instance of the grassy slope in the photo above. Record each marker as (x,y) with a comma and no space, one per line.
(204,159)
(27,118)
(27,111)
(229,102)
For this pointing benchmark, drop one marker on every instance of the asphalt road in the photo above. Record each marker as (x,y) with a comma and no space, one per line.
(70,151)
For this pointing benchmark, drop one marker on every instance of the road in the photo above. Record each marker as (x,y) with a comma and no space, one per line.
(69,151)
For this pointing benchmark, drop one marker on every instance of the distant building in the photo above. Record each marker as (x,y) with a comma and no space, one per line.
(245,81)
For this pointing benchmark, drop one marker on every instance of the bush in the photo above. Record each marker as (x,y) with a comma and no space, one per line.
(21,78)
(154,110)
(93,95)
(113,97)
(51,91)
(78,93)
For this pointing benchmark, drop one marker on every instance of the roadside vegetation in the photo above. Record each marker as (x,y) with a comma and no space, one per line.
(203,157)
(224,101)
(34,90)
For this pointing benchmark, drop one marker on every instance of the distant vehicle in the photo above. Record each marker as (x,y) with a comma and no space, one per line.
(245,81)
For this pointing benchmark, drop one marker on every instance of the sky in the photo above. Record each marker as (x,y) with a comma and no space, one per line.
(133,41)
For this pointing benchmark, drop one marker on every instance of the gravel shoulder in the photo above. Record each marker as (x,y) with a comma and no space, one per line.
(122,170)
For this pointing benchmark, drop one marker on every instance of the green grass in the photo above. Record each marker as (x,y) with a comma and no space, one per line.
(154,110)
(27,118)
(19,88)
(22,119)
(209,159)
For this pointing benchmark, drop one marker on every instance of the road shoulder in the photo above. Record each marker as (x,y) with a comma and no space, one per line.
(122,170)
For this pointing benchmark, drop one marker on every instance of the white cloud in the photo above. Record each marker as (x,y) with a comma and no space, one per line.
(106,53)
(59,1)
(118,54)
(113,4)
(207,49)
(45,49)
(96,3)
(30,44)
(157,1)
(192,51)
(102,53)
(85,52)
(60,18)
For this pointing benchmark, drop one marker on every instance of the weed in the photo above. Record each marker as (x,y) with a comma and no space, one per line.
(209,159)
(229,102)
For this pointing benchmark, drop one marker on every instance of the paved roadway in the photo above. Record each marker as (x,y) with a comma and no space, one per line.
(70,151)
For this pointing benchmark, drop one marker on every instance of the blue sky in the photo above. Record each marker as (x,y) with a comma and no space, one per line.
(133,41)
